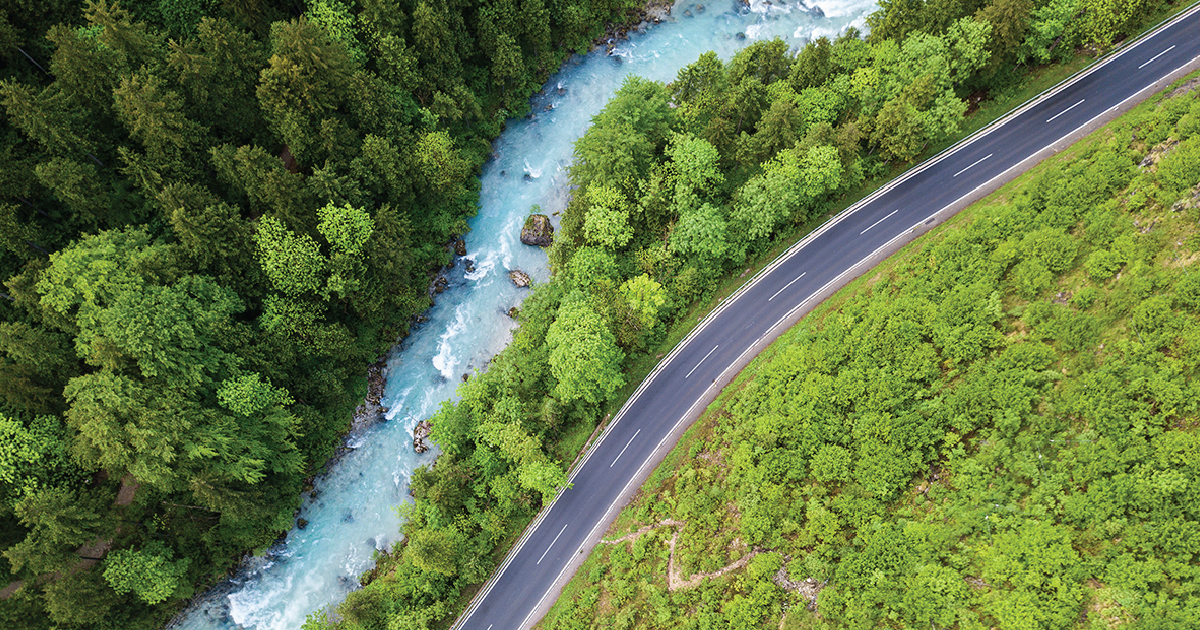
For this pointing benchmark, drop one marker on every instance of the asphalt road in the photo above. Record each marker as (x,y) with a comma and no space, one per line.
(533,574)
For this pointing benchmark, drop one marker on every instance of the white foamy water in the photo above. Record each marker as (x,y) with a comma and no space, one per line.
(353,513)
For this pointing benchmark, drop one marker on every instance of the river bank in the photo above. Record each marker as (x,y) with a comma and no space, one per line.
(351,518)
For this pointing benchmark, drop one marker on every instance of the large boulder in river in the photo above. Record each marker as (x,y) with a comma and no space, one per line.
(519,278)
(537,231)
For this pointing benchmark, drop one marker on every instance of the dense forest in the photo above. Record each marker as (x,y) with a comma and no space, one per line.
(996,429)
(213,215)
(676,186)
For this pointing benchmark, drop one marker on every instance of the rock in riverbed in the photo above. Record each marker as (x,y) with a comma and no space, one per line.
(537,231)
(519,278)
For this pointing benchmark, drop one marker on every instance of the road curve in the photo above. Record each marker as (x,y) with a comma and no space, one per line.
(533,574)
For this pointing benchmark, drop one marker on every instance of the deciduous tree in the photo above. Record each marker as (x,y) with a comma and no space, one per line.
(584,356)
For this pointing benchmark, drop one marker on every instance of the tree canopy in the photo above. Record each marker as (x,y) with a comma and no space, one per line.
(213,215)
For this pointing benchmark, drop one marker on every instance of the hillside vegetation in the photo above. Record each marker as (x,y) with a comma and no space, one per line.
(996,429)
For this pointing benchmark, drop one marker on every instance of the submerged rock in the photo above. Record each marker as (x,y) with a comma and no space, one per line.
(301,524)
(657,14)
(519,278)
(537,231)
(421,436)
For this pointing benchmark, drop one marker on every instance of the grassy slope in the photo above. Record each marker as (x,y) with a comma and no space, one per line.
(1026,472)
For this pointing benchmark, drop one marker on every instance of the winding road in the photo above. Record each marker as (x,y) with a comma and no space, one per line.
(687,380)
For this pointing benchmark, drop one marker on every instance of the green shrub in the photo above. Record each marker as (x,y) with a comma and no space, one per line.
(1103,264)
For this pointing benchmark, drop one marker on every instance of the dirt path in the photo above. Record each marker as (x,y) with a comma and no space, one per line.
(674,581)
(808,589)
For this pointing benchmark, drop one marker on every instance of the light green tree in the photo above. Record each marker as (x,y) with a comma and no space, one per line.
(584,356)
(247,395)
(620,145)
(591,266)
(607,220)
(969,42)
(694,170)
(534,470)
(1051,36)
(435,550)
(149,572)
(347,231)
(701,233)
(34,456)
(788,188)
(337,21)
(439,163)
(293,262)
(1102,21)
(644,298)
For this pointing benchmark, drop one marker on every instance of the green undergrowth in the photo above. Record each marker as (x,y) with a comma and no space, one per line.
(996,428)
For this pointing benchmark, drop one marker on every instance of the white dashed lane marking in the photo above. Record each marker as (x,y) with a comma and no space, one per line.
(1066,110)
